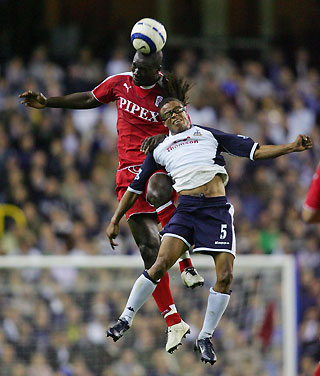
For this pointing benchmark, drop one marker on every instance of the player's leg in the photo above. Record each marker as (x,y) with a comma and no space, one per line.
(144,286)
(218,300)
(144,229)
(219,294)
(169,252)
(214,235)
(142,220)
(177,328)
(161,194)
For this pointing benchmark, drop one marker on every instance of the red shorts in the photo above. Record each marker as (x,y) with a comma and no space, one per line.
(124,178)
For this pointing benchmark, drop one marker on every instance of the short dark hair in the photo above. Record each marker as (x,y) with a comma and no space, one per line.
(155,58)
(174,88)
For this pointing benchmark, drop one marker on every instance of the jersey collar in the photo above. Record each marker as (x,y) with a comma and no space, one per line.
(143,91)
(170,134)
(148,87)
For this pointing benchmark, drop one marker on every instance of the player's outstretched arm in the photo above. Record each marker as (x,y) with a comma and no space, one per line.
(83,100)
(128,199)
(301,143)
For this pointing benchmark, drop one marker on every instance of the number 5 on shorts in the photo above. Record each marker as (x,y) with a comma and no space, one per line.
(223,233)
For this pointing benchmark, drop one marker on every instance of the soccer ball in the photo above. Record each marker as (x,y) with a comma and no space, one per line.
(148,36)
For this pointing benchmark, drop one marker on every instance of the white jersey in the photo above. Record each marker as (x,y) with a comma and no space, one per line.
(193,157)
(189,158)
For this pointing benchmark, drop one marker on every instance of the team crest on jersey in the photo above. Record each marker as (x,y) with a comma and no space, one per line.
(197,133)
(138,174)
(158,100)
(134,170)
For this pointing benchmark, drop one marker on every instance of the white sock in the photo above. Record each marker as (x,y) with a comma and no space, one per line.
(141,291)
(217,304)
(185,255)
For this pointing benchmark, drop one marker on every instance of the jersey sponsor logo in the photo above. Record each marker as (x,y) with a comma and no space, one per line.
(218,242)
(158,100)
(197,133)
(185,139)
(177,144)
(127,87)
(139,111)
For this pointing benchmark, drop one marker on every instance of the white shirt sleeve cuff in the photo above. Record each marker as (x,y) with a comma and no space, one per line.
(134,191)
(254,148)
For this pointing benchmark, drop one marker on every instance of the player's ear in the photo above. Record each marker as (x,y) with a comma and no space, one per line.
(159,112)
(163,121)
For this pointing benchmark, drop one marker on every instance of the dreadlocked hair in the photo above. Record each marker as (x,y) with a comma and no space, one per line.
(173,88)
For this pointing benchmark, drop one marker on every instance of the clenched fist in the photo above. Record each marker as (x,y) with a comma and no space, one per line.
(303,142)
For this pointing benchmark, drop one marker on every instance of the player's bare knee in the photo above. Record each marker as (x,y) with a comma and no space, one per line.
(159,189)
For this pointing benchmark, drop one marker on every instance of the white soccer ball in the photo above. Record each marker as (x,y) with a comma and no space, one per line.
(148,36)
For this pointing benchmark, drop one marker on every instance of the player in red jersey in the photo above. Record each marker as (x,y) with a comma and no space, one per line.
(311,207)
(311,212)
(317,371)
(137,94)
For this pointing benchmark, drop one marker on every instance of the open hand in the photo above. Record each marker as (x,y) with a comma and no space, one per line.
(112,232)
(303,142)
(33,99)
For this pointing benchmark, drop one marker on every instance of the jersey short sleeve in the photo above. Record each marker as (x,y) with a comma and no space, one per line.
(104,91)
(312,201)
(148,167)
(235,144)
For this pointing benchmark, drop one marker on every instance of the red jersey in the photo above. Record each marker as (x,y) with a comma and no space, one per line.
(312,201)
(137,114)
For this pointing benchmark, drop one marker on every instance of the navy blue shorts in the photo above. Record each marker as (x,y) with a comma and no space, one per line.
(206,223)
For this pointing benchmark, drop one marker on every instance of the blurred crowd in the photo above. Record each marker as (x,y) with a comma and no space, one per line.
(58,167)
(53,324)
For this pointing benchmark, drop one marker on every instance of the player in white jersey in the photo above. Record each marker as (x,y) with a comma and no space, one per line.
(192,156)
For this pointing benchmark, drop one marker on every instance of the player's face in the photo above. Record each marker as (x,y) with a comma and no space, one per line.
(145,70)
(175,117)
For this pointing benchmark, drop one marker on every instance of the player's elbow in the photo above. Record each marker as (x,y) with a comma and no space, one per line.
(91,101)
